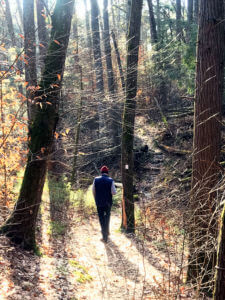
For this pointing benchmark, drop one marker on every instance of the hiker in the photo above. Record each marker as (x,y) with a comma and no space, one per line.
(103,188)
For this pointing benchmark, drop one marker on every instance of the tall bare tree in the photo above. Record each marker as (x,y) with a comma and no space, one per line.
(106,36)
(127,163)
(20,227)
(10,22)
(153,31)
(196,10)
(96,43)
(207,141)
(30,54)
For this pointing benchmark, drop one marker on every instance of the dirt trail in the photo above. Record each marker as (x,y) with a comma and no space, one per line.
(118,269)
(78,265)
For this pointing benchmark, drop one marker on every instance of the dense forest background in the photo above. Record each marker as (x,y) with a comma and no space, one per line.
(135,85)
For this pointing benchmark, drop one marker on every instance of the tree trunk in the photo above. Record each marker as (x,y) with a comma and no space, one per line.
(189,19)
(133,40)
(42,32)
(20,226)
(118,60)
(158,20)
(106,36)
(98,67)
(20,11)
(78,69)
(154,37)
(87,23)
(128,14)
(10,23)
(30,55)
(196,10)
(190,11)
(207,139)
(219,290)
(178,19)
(89,46)
(114,113)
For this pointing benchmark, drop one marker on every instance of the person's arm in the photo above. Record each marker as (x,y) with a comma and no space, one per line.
(93,189)
(113,188)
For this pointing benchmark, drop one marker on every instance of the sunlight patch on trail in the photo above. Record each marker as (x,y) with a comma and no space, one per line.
(118,269)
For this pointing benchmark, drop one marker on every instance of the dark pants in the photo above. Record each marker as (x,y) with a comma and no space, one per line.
(104,218)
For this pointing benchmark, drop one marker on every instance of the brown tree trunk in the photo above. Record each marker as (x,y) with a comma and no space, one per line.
(20,226)
(154,36)
(30,55)
(219,290)
(207,139)
(133,40)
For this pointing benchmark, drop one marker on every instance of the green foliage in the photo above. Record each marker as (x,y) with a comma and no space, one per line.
(138,216)
(59,191)
(81,272)
(37,251)
(117,199)
(84,201)
(56,229)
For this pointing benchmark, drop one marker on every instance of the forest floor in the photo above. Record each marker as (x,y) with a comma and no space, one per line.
(75,264)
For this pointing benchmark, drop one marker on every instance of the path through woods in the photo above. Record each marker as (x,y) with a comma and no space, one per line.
(77,265)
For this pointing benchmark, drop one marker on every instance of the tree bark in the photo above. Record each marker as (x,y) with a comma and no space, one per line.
(98,67)
(189,19)
(158,20)
(20,226)
(154,36)
(128,13)
(30,55)
(106,36)
(42,32)
(118,60)
(196,10)
(133,40)
(190,11)
(219,290)
(207,139)
(78,69)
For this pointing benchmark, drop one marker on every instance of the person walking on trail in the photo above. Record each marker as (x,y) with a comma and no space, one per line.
(103,189)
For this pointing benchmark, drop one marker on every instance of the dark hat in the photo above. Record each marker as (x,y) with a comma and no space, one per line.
(104,169)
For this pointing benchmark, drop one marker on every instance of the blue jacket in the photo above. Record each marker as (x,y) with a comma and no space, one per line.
(102,189)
